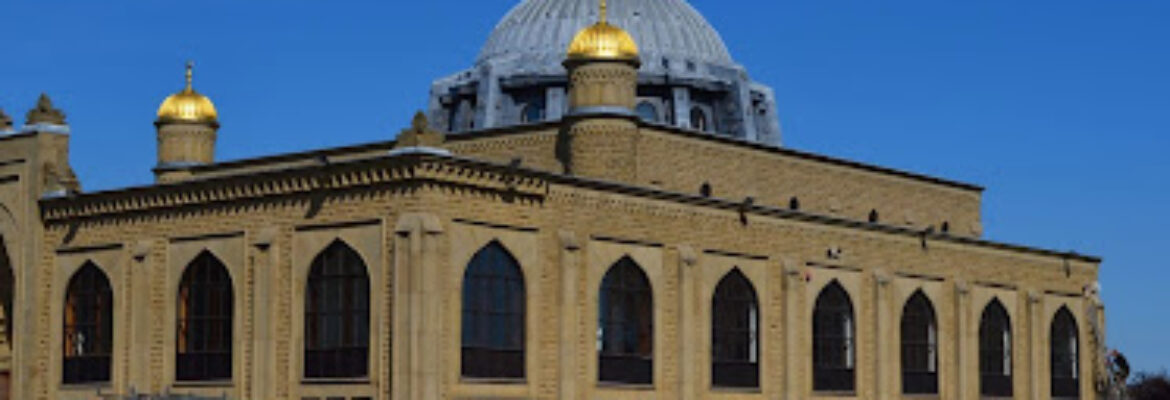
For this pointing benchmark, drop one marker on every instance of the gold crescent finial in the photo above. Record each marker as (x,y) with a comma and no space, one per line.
(190,66)
(604,11)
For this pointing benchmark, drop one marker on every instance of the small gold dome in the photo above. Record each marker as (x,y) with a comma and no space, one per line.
(603,41)
(187,106)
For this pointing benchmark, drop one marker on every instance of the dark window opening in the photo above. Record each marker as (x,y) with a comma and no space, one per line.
(735,326)
(833,340)
(874,217)
(7,282)
(532,113)
(698,119)
(337,315)
(946,227)
(995,351)
(919,346)
(647,112)
(626,326)
(89,327)
(1064,350)
(204,332)
(493,315)
(705,190)
(794,204)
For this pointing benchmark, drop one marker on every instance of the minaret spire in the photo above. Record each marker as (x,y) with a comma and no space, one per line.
(604,12)
(190,66)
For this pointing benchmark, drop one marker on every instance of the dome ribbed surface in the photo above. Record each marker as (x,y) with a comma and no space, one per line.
(543,29)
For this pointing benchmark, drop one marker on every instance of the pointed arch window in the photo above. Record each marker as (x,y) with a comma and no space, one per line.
(1065,352)
(206,306)
(995,351)
(493,315)
(89,327)
(834,340)
(337,315)
(625,339)
(735,327)
(919,346)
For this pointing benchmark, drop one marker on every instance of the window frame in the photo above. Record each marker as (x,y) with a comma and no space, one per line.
(87,363)
(735,348)
(995,351)
(919,345)
(834,372)
(494,274)
(348,358)
(1067,383)
(205,280)
(618,361)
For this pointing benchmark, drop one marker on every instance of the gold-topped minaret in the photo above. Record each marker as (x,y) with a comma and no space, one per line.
(603,41)
(187,126)
(602,61)
(188,105)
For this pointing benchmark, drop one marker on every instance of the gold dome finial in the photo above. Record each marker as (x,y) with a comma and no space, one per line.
(188,105)
(603,41)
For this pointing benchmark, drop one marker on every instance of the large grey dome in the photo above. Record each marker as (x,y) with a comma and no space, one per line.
(670,29)
(687,80)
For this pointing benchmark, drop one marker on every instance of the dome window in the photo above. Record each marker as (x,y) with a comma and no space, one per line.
(647,112)
(698,119)
(532,113)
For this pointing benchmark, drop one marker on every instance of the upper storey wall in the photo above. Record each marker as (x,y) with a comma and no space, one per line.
(686,162)
(681,161)
(778,177)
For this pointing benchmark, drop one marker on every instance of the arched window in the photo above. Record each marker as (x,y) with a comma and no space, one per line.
(833,340)
(89,327)
(698,119)
(647,112)
(626,325)
(705,189)
(337,315)
(995,351)
(919,346)
(874,217)
(1065,352)
(493,315)
(7,292)
(204,342)
(735,328)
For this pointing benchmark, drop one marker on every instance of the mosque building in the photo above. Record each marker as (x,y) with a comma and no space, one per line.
(600,208)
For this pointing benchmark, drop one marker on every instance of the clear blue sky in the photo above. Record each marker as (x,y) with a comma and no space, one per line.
(1059,107)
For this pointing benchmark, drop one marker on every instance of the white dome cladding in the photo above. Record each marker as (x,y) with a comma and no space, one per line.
(542,29)
(687,80)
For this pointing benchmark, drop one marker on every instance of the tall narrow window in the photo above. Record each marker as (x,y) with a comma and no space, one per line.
(493,315)
(919,346)
(89,327)
(698,119)
(995,351)
(626,326)
(337,315)
(204,331)
(735,327)
(1063,347)
(833,340)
